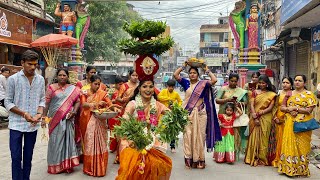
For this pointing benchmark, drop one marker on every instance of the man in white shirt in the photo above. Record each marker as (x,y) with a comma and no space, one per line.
(5,73)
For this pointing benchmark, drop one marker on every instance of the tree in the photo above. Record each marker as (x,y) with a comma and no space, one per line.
(107,20)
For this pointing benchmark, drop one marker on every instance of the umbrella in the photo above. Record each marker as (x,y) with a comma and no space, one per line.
(50,45)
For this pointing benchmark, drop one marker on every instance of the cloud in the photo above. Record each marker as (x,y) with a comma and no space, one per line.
(185,16)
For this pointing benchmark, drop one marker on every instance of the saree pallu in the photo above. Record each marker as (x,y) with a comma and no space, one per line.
(278,131)
(257,149)
(296,147)
(95,153)
(62,152)
(157,165)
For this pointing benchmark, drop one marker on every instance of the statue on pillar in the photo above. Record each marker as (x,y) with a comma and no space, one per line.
(82,26)
(236,18)
(68,19)
(252,26)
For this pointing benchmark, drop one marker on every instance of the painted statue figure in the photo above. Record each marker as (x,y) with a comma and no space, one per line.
(236,17)
(82,26)
(252,26)
(68,19)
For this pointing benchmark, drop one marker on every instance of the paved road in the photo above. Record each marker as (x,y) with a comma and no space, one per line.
(213,170)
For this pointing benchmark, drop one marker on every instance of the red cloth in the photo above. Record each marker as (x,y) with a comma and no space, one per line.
(227,123)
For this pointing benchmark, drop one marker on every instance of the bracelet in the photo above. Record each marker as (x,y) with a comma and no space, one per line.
(183,67)
(207,71)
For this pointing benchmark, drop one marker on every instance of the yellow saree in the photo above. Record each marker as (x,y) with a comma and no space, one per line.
(257,149)
(279,128)
(296,146)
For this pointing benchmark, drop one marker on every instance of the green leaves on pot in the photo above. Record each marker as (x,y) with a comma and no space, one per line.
(145,29)
(147,47)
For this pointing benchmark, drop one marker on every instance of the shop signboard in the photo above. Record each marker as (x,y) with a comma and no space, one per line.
(181,60)
(315,43)
(291,7)
(15,29)
(215,55)
(213,61)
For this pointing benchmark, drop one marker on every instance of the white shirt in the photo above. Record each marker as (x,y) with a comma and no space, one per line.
(3,86)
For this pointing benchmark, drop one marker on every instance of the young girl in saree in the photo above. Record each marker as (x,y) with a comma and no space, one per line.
(157,164)
(204,125)
(94,130)
(62,103)
(224,151)
(260,123)
(296,146)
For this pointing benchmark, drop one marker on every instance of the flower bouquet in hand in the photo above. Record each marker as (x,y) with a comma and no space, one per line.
(172,123)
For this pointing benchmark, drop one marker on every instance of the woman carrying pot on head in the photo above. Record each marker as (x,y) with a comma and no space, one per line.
(204,125)
(157,165)
(234,94)
(296,145)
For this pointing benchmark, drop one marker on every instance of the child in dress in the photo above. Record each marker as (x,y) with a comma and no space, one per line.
(224,150)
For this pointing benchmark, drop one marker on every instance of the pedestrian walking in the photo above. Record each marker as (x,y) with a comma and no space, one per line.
(62,104)
(203,126)
(25,99)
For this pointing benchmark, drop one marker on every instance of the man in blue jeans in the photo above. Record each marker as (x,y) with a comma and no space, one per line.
(25,100)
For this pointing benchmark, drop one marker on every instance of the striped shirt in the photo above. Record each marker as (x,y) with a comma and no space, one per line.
(26,97)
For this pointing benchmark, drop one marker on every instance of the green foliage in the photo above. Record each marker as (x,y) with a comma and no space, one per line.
(146,47)
(133,130)
(172,123)
(145,29)
(107,20)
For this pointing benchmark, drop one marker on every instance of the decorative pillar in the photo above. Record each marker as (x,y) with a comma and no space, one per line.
(243,76)
(262,71)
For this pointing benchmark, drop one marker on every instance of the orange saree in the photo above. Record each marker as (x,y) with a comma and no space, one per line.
(157,164)
(94,136)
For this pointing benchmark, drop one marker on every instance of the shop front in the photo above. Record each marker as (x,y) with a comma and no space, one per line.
(15,36)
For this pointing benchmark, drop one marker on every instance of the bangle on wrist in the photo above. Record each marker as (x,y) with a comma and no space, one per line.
(207,71)
(183,67)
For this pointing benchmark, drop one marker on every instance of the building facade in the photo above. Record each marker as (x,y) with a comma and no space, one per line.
(214,44)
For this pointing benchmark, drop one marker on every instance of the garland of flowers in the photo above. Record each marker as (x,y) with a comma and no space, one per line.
(141,114)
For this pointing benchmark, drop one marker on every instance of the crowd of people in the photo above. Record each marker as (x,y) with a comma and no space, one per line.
(268,136)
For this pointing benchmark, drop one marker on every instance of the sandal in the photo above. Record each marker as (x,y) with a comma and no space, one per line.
(188,163)
(201,165)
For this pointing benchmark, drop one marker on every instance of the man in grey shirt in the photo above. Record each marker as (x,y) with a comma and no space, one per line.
(25,100)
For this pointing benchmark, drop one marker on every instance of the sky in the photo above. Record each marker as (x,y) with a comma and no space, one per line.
(185,17)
